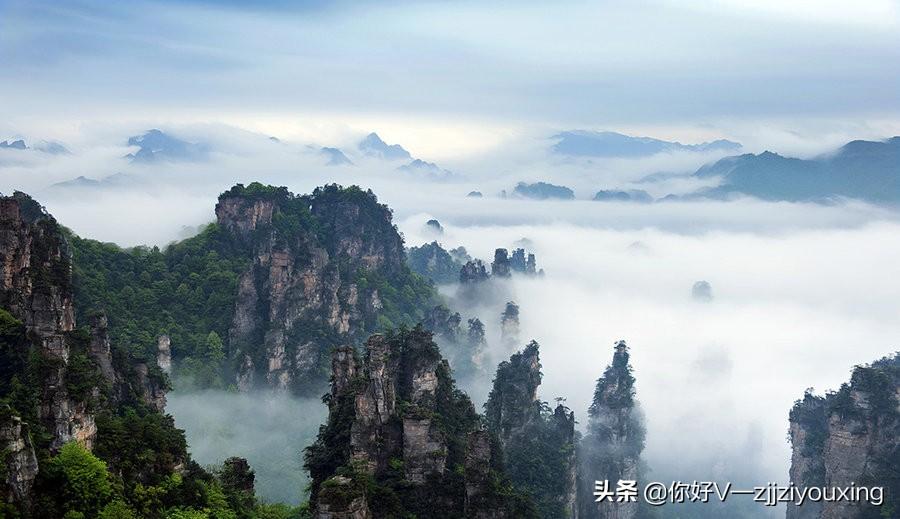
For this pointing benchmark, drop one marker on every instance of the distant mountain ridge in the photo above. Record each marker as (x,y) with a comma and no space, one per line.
(372,145)
(51,147)
(865,170)
(583,143)
(156,146)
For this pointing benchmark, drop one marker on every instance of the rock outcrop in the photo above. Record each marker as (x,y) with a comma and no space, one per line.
(509,325)
(431,261)
(611,448)
(532,435)
(320,264)
(472,272)
(164,353)
(20,460)
(401,439)
(37,289)
(702,291)
(850,437)
(57,378)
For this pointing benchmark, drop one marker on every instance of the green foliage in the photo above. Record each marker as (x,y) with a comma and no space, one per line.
(431,261)
(538,445)
(389,493)
(144,446)
(117,509)
(511,400)
(83,483)
(331,450)
(186,291)
(809,414)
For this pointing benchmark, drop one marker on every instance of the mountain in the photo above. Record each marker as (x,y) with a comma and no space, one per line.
(402,441)
(14,145)
(372,145)
(431,261)
(581,143)
(864,170)
(156,146)
(849,437)
(82,429)
(533,435)
(543,191)
(335,157)
(82,182)
(50,147)
(611,448)
(633,195)
(259,298)
(426,169)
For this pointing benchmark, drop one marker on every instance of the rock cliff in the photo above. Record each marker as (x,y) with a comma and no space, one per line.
(531,435)
(401,439)
(509,325)
(37,290)
(57,379)
(325,269)
(611,448)
(851,436)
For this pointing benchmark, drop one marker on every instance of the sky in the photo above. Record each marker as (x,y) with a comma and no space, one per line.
(454,77)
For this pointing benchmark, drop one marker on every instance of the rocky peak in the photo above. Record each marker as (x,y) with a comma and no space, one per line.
(19,458)
(851,436)
(509,324)
(397,418)
(242,214)
(473,272)
(35,271)
(531,435)
(500,266)
(37,289)
(614,441)
(319,266)
(444,323)
(71,374)
(512,401)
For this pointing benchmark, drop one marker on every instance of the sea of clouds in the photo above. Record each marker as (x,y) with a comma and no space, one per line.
(801,292)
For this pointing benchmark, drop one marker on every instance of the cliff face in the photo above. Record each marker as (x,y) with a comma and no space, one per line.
(850,436)
(614,441)
(21,465)
(401,439)
(463,348)
(509,325)
(531,435)
(37,290)
(56,377)
(320,265)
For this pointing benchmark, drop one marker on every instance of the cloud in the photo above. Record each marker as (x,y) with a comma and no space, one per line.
(793,309)
(606,65)
(269,430)
(802,291)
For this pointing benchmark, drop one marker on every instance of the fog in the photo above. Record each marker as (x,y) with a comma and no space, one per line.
(801,292)
(716,380)
(269,430)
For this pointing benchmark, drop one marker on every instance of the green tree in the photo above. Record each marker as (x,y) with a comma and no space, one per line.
(84,480)
(215,350)
(117,509)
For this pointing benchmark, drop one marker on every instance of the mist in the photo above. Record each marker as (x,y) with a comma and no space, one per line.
(790,310)
(802,292)
(269,430)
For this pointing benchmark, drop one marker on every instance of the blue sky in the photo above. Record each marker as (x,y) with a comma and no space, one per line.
(689,67)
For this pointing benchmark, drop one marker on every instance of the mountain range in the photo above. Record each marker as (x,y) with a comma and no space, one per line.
(864,170)
(583,143)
